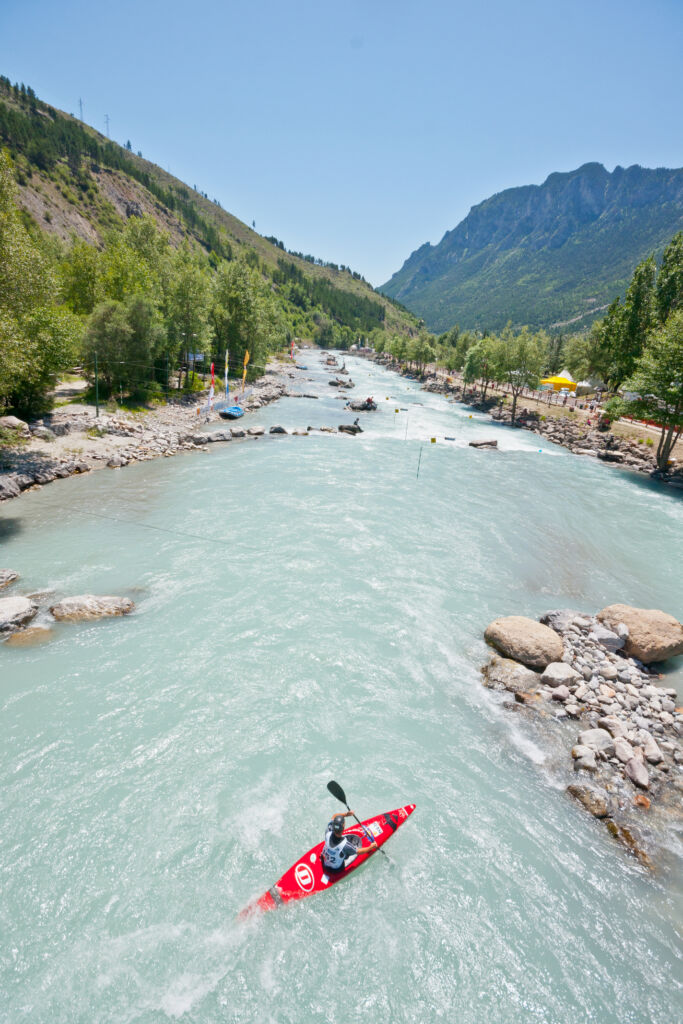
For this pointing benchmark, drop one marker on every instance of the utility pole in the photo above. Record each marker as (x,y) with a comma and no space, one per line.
(80,106)
(106,121)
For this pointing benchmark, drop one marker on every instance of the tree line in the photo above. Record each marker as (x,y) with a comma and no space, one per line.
(138,305)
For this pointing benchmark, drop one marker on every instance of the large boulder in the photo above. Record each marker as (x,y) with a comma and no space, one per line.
(12,423)
(9,488)
(15,612)
(525,640)
(7,576)
(506,674)
(88,606)
(652,635)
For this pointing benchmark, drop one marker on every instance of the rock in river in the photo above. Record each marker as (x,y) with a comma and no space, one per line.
(525,640)
(88,606)
(15,612)
(7,576)
(30,637)
(652,635)
(591,799)
(510,675)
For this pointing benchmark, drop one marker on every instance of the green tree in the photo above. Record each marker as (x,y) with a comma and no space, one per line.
(555,354)
(669,290)
(577,355)
(50,341)
(236,315)
(126,337)
(420,351)
(639,319)
(123,271)
(187,311)
(482,363)
(520,361)
(399,347)
(107,341)
(658,381)
(79,273)
(37,340)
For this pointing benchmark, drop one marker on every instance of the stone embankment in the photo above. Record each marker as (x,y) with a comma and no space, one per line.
(74,440)
(17,613)
(596,671)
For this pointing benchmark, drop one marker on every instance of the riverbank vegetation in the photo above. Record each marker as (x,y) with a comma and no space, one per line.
(635,353)
(143,272)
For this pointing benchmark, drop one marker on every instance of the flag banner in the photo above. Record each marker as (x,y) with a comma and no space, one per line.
(244,375)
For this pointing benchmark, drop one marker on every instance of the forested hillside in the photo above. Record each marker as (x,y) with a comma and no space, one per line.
(105,256)
(551,256)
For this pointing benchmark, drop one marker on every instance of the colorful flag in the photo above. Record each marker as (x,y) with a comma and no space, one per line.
(244,375)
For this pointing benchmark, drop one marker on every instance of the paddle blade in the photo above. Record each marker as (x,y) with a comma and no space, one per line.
(336,791)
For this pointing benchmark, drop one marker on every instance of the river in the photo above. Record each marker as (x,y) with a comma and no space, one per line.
(312,608)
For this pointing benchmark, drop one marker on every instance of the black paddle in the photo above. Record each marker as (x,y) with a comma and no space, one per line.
(339,794)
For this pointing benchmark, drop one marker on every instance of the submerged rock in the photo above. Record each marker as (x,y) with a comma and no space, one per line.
(89,606)
(525,640)
(625,836)
(7,576)
(591,799)
(30,637)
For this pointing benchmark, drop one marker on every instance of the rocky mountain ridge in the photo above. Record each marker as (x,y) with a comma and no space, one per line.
(543,254)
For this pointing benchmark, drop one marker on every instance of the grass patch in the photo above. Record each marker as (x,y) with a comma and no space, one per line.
(10,438)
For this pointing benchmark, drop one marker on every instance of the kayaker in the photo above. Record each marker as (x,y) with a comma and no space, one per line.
(337,847)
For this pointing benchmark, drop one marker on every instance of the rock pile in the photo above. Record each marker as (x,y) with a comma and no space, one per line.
(631,728)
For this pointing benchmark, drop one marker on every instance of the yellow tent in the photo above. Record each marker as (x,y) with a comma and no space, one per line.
(560,382)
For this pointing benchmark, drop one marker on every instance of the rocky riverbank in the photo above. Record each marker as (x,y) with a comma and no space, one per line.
(74,440)
(598,674)
(578,435)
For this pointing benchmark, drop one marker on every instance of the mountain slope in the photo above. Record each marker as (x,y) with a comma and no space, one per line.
(544,255)
(74,182)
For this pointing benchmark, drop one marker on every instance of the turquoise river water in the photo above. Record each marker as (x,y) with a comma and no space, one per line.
(311,608)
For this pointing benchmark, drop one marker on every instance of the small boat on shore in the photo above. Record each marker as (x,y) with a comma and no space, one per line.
(230,412)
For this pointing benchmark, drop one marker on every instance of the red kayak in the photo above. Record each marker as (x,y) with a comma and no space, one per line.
(308,875)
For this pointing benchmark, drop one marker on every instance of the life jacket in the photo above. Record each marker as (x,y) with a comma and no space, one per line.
(333,856)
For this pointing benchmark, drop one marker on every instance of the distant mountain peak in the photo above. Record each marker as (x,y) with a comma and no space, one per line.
(537,254)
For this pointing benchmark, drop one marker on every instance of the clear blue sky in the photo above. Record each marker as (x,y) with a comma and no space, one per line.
(358,131)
